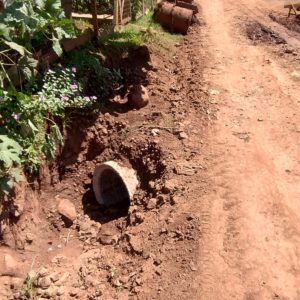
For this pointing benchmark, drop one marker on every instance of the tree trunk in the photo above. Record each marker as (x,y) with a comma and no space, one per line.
(67,6)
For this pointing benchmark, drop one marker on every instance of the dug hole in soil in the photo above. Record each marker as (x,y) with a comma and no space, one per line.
(57,242)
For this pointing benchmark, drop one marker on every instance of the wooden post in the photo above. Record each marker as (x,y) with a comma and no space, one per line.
(1,5)
(67,6)
(143,3)
(94,15)
(116,13)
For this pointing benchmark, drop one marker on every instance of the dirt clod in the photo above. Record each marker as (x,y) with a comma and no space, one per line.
(138,97)
(67,209)
(259,32)
(9,266)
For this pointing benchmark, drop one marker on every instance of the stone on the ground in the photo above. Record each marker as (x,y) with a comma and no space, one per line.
(107,237)
(136,244)
(295,75)
(152,203)
(138,97)
(182,135)
(44,282)
(67,209)
(9,266)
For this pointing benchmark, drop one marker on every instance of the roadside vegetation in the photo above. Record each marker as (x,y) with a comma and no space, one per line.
(34,108)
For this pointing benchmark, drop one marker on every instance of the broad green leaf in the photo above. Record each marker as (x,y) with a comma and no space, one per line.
(6,185)
(57,48)
(10,151)
(32,126)
(16,47)
(28,61)
(27,72)
(57,135)
(4,31)
(17,174)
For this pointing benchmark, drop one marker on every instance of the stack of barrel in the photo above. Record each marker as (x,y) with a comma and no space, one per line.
(176,16)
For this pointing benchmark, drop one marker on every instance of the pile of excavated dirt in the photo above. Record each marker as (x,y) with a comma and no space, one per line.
(260,33)
(58,243)
(291,23)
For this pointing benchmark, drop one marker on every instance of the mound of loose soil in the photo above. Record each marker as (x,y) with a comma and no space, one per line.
(123,252)
(260,33)
(292,23)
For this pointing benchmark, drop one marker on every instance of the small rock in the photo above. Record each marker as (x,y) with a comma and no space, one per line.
(124,279)
(106,237)
(29,238)
(139,281)
(169,186)
(174,200)
(151,184)
(161,199)
(9,266)
(44,282)
(136,218)
(90,280)
(138,97)
(60,291)
(63,278)
(288,50)
(214,92)
(55,276)
(74,292)
(163,230)
(43,272)
(185,169)
(16,283)
(67,209)
(295,75)
(136,244)
(152,203)
(155,132)
(104,131)
(193,267)
(190,217)
(182,135)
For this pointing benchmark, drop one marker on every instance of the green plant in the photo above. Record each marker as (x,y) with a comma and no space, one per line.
(10,161)
(92,75)
(153,32)
(83,6)
(28,130)
(28,290)
(27,27)
(62,90)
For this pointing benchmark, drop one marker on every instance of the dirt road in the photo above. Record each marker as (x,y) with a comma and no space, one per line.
(251,218)
(217,152)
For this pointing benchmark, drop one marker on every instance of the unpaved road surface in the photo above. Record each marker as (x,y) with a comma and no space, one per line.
(251,226)
(217,153)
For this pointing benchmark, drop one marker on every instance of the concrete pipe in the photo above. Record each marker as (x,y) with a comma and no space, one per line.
(114,184)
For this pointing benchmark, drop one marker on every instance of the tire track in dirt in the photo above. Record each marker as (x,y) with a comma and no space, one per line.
(250,249)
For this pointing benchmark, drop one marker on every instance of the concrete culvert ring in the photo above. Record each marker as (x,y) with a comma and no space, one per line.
(114,184)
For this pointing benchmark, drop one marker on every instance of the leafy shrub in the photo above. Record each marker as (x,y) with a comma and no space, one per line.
(61,90)
(92,75)
(26,27)
(29,121)
(10,152)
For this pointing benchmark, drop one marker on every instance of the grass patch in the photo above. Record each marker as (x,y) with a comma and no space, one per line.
(156,33)
(135,34)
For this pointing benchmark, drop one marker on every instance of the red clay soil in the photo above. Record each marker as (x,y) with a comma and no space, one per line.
(216,150)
